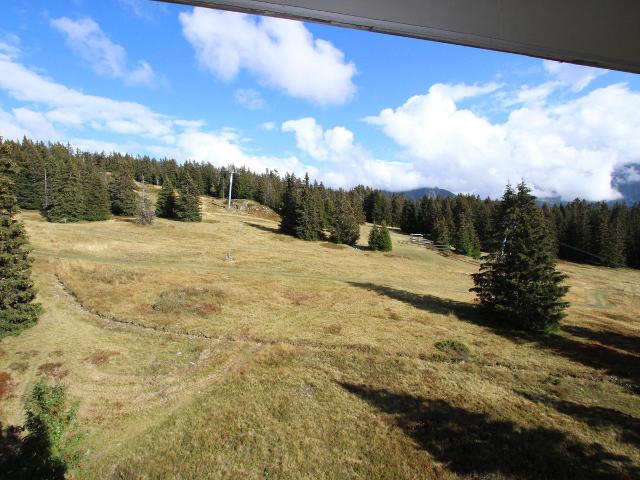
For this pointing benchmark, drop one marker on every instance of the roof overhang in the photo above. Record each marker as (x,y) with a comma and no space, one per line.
(599,33)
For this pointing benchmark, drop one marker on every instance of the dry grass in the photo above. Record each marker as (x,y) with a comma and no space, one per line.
(226,350)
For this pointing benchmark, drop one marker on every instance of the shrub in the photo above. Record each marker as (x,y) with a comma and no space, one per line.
(453,349)
(51,447)
(380,239)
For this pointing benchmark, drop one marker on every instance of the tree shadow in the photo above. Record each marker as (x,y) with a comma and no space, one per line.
(613,362)
(430,303)
(264,228)
(27,457)
(628,343)
(477,445)
(595,416)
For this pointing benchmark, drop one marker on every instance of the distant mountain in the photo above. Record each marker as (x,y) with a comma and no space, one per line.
(418,193)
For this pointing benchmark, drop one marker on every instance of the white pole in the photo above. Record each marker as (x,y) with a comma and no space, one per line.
(230,190)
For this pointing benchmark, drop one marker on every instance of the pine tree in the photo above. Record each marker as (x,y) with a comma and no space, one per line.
(290,199)
(519,284)
(308,225)
(96,194)
(441,232)
(30,178)
(344,222)
(187,206)
(122,193)
(166,203)
(466,239)
(67,194)
(17,310)
(379,238)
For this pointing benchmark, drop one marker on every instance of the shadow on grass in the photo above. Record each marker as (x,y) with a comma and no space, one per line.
(628,343)
(613,362)
(595,416)
(477,445)
(264,228)
(27,458)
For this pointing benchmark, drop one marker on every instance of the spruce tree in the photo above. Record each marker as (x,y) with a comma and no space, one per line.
(290,199)
(17,310)
(308,225)
(379,238)
(122,192)
(344,222)
(96,194)
(441,232)
(67,195)
(166,203)
(519,283)
(187,206)
(30,178)
(466,239)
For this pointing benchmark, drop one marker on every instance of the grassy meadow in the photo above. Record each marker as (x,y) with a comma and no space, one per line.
(224,349)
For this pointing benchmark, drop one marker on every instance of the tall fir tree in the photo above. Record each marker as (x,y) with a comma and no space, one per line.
(65,184)
(17,310)
(308,223)
(344,225)
(290,199)
(519,284)
(122,191)
(166,202)
(96,194)
(466,239)
(30,177)
(441,232)
(187,206)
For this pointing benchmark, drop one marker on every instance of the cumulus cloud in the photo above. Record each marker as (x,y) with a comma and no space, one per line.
(347,163)
(85,37)
(281,54)
(63,110)
(569,148)
(249,98)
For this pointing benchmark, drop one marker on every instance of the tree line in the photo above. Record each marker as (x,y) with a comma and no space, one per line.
(69,185)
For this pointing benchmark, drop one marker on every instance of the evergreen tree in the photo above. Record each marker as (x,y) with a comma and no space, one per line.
(519,284)
(122,193)
(290,199)
(308,222)
(67,194)
(441,233)
(344,222)
(379,238)
(30,178)
(187,206)
(166,203)
(17,310)
(96,194)
(408,223)
(466,239)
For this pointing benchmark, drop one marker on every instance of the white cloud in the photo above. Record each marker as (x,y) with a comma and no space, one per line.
(249,98)
(268,126)
(577,77)
(64,111)
(348,163)
(85,37)
(569,148)
(282,54)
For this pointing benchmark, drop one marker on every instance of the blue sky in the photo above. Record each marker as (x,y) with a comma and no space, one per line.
(347,106)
